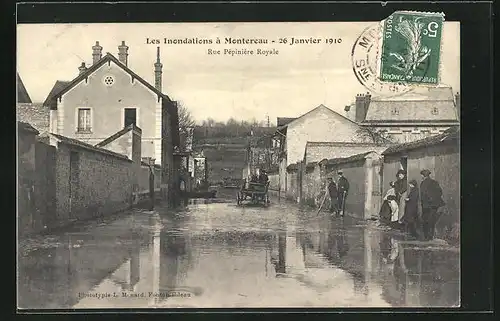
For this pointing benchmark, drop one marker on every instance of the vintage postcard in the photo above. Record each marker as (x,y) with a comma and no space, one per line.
(239,165)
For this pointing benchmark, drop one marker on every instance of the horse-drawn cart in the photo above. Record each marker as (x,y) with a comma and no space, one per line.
(254,192)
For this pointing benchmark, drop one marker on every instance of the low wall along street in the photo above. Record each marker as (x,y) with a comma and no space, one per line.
(369,175)
(62,180)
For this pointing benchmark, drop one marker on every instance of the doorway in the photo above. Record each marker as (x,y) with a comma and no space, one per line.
(404,163)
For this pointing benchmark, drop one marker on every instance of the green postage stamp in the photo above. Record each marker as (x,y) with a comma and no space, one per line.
(411,48)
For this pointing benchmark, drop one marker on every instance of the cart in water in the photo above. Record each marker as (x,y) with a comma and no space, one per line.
(254,192)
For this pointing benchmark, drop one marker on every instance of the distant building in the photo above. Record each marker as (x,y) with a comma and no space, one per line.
(421,113)
(108,96)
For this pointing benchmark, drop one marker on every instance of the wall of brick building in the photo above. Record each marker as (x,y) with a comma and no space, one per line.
(443,160)
(35,114)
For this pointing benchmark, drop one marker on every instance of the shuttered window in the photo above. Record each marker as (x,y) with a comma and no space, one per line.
(84,120)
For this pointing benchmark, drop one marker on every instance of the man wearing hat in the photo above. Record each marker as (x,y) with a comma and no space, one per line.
(343,188)
(431,199)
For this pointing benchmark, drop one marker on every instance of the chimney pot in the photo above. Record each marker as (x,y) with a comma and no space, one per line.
(82,68)
(96,52)
(123,53)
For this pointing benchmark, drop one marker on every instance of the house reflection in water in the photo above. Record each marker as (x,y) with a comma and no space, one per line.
(172,258)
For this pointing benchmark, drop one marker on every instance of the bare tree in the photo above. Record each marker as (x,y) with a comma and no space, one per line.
(374,135)
(186,124)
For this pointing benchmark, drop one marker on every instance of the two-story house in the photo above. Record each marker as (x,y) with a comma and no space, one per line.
(412,116)
(107,96)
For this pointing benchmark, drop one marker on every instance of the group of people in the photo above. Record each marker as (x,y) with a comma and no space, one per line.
(261,178)
(338,193)
(400,208)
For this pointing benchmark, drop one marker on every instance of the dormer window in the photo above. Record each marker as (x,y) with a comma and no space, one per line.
(435,111)
(109,80)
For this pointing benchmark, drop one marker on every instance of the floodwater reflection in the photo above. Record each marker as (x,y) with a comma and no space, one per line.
(221,255)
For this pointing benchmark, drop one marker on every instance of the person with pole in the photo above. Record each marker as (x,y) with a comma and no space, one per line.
(343,189)
(333,193)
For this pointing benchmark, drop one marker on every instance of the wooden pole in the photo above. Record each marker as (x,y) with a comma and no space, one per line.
(322,202)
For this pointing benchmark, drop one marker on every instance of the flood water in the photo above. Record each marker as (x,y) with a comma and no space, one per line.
(219,255)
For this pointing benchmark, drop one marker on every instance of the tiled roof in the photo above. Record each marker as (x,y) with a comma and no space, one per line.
(26,127)
(342,144)
(282,121)
(425,105)
(117,134)
(343,160)
(57,88)
(22,93)
(62,86)
(450,134)
(78,143)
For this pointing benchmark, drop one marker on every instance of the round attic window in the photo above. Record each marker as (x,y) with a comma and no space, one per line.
(109,80)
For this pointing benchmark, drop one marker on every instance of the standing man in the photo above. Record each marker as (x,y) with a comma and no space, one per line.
(151,188)
(333,193)
(431,197)
(343,189)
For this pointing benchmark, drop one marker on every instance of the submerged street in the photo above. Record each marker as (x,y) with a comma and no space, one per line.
(215,254)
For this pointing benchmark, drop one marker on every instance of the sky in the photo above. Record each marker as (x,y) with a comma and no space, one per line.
(244,87)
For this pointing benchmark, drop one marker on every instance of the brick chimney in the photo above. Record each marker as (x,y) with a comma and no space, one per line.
(97,52)
(123,53)
(158,66)
(82,68)
(457,104)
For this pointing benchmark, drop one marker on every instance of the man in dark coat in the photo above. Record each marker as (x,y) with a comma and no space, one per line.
(333,193)
(343,189)
(410,217)
(263,178)
(431,198)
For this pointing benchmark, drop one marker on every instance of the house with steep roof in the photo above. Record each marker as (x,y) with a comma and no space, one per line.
(420,113)
(320,124)
(22,93)
(108,96)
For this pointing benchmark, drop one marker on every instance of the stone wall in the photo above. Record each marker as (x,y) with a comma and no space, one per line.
(66,180)
(443,160)
(91,183)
